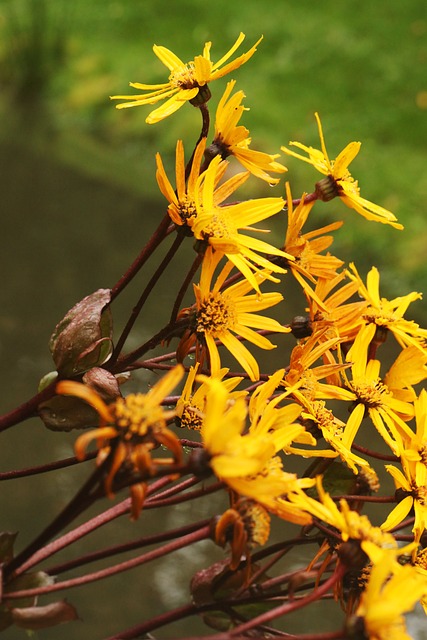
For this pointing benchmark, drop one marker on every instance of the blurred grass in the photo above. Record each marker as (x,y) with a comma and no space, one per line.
(361,66)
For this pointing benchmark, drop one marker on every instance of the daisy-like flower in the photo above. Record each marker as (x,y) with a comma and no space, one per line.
(246,460)
(332,430)
(266,416)
(219,227)
(244,526)
(388,594)
(186,82)
(232,452)
(232,139)
(303,375)
(191,404)
(130,428)
(307,247)
(383,314)
(349,523)
(413,477)
(372,395)
(420,564)
(339,181)
(222,312)
(413,483)
(182,199)
(409,369)
(330,308)
(182,206)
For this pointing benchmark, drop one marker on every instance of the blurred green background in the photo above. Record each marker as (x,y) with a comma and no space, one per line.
(361,65)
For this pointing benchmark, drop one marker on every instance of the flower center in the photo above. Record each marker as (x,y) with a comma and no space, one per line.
(217,228)
(257,522)
(327,189)
(191,418)
(379,317)
(326,419)
(184,77)
(187,209)
(370,394)
(422,450)
(216,313)
(420,494)
(134,418)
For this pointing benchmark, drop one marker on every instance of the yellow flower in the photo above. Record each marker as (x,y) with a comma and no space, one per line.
(413,477)
(332,430)
(416,448)
(191,404)
(408,369)
(350,524)
(302,374)
(388,314)
(267,416)
(244,526)
(306,248)
(271,487)
(388,594)
(339,181)
(232,453)
(420,564)
(186,82)
(330,309)
(413,482)
(233,140)
(372,395)
(182,205)
(246,460)
(222,312)
(219,227)
(130,428)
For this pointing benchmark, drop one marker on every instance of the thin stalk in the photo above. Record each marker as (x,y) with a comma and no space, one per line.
(85,529)
(144,296)
(158,236)
(27,409)
(202,534)
(157,538)
(81,501)
(310,197)
(165,333)
(203,134)
(44,468)
(374,454)
(193,270)
(290,607)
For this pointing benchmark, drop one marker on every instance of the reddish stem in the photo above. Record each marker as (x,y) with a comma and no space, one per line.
(27,409)
(87,527)
(157,538)
(144,296)
(44,468)
(292,606)
(157,237)
(310,197)
(202,534)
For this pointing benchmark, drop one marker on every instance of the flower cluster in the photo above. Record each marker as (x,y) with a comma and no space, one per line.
(326,398)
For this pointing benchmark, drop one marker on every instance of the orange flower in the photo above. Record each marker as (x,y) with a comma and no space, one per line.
(130,428)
